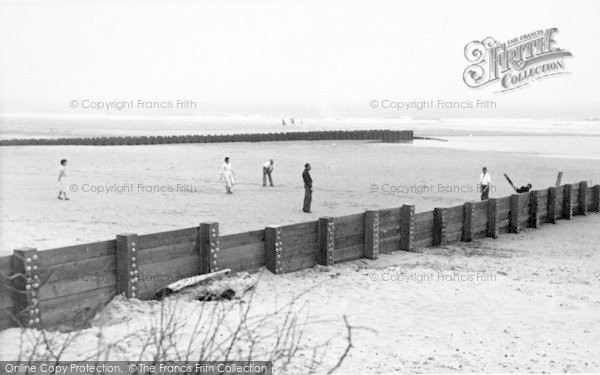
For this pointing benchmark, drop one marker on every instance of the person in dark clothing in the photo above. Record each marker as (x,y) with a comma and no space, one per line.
(307,188)
(524,189)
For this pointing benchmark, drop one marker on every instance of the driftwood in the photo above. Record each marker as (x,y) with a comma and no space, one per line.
(188,282)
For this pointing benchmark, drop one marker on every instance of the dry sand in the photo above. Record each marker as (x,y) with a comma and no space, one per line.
(534,308)
(344,175)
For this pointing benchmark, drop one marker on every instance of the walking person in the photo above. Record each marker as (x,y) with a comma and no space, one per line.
(307,188)
(267,170)
(62,180)
(485,182)
(228,175)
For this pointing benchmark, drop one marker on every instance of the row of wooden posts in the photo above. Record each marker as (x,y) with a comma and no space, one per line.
(209,248)
(384,135)
(273,234)
(25,261)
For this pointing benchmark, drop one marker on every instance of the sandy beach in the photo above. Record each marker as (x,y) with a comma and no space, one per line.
(505,97)
(182,182)
(520,303)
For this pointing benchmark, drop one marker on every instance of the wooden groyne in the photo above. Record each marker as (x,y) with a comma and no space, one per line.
(68,285)
(374,135)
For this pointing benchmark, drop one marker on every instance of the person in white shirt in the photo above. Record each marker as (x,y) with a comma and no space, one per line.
(267,170)
(485,182)
(228,176)
(62,179)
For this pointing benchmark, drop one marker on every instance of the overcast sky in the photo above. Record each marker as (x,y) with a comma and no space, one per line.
(325,57)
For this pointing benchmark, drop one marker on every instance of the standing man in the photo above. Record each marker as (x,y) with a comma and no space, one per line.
(485,181)
(267,170)
(307,188)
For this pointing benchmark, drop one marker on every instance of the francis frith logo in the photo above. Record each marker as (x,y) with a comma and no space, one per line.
(515,63)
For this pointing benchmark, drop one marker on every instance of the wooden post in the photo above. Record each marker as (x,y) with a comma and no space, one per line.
(371,234)
(27,285)
(492,227)
(582,198)
(407,227)
(386,135)
(596,198)
(467,234)
(208,245)
(513,226)
(534,219)
(273,249)
(567,206)
(127,272)
(326,240)
(439,226)
(551,216)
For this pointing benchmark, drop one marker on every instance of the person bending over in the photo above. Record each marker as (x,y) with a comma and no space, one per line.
(267,170)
